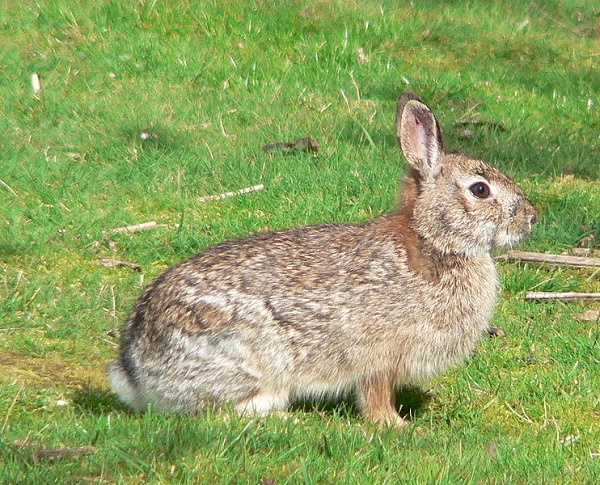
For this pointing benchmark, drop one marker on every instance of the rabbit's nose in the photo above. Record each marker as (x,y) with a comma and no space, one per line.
(532,219)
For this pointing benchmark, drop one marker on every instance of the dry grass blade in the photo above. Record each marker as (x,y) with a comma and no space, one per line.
(10,409)
(9,188)
(523,416)
(225,195)
(118,263)
(144,226)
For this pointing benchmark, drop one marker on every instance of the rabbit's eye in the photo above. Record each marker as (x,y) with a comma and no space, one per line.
(480,190)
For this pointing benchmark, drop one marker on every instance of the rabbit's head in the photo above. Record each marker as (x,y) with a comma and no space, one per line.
(457,204)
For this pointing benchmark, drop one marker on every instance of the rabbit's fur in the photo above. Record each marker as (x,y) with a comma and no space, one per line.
(327,309)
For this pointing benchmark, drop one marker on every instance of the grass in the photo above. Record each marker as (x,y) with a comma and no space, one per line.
(211,82)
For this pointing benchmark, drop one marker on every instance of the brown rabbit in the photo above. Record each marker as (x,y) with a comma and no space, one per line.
(328,309)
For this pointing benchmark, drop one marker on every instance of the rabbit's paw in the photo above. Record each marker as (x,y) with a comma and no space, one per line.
(376,400)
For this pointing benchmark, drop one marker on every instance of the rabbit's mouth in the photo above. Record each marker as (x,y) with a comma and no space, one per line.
(515,232)
(507,240)
(522,217)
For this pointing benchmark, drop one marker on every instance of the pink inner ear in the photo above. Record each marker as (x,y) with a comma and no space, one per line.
(420,139)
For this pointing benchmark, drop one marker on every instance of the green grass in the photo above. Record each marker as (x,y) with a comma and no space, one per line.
(211,82)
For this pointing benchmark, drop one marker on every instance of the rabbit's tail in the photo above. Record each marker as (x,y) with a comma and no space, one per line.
(121,383)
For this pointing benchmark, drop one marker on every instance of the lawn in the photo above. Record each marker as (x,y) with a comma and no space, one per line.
(147,106)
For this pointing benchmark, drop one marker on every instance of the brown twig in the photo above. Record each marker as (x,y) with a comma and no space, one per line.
(301,144)
(61,453)
(569,295)
(556,259)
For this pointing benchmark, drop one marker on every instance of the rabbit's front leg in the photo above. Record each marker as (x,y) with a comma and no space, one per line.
(376,400)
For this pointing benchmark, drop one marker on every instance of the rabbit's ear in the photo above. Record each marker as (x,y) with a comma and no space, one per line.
(418,134)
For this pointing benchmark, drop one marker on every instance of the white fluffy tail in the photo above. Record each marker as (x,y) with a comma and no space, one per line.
(122,385)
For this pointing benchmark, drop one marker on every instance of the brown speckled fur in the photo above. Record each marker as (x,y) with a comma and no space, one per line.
(334,308)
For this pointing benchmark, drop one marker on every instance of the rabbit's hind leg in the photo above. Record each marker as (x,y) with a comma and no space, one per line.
(263,403)
(376,400)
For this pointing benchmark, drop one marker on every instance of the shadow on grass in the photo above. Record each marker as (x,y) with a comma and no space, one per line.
(410,401)
(97,400)
(152,137)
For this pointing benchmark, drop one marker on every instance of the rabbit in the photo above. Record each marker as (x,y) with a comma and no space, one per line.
(332,309)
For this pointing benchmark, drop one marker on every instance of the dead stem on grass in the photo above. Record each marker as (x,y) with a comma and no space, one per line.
(11,407)
(522,417)
(9,188)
